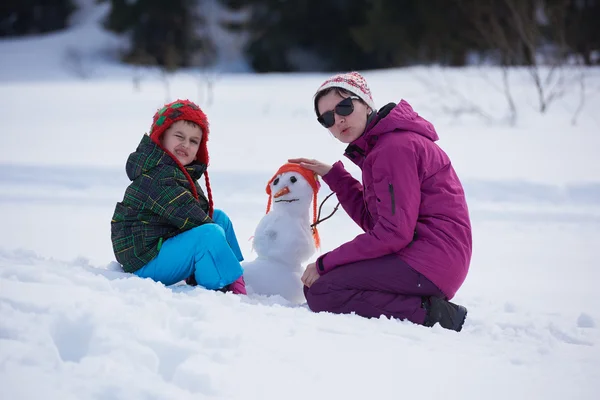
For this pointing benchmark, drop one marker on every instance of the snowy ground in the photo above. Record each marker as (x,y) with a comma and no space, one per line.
(71,327)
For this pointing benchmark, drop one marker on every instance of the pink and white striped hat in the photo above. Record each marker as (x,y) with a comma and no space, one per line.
(353,82)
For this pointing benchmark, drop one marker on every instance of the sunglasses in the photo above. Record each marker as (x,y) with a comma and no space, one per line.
(343,109)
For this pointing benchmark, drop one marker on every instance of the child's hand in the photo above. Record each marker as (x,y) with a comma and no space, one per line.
(238,286)
(310,275)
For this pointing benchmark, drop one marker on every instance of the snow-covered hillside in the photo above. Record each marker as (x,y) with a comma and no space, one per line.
(73,327)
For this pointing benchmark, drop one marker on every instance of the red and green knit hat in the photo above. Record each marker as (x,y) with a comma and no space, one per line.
(184,110)
(177,111)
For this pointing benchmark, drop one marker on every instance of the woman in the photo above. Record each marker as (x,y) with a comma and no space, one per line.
(415,251)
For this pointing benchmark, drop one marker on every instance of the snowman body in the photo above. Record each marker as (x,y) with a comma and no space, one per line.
(283,241)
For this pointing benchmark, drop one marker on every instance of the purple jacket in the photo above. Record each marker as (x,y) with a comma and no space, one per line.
(410,202)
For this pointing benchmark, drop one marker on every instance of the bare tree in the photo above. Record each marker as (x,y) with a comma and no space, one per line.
(506,91)
(137,78)
(581,99)
(528,20)
(490,25)
(172,60)
(512,108)
(207,79)
(206,54)
(139,58)
(75,61)
(455,102)
(529,33)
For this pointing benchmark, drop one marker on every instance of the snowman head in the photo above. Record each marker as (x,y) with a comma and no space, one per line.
(291,191)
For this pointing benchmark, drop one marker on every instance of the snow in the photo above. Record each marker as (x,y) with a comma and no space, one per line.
(73,327)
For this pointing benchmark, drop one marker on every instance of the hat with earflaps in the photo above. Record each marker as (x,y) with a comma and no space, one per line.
(184,110)
(312,180)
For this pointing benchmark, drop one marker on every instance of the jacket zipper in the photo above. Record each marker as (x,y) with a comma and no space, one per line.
(391,188)
(365,202)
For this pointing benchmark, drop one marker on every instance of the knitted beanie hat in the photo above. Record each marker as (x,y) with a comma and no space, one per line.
(184,110)
(312,180)
(351,81)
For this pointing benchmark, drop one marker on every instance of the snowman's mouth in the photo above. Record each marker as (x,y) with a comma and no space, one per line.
(286,201)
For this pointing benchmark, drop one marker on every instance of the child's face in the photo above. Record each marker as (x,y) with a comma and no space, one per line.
(182,139)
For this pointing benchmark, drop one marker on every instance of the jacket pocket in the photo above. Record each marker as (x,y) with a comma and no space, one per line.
(393,198)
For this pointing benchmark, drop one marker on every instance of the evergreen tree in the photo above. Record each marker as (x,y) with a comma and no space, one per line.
(23,17)
(406,32)
(446,36)
(164,33)
(341,35)
(333,35)
(304,35)
(583,29)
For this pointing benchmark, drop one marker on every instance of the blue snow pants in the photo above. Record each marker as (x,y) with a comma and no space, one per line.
(211,252)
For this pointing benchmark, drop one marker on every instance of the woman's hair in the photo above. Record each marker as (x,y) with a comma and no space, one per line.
(340,91)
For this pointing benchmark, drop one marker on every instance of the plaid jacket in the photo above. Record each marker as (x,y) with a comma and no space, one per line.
(157,205)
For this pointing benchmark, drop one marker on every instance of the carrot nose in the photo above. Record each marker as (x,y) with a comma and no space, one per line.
(281,192)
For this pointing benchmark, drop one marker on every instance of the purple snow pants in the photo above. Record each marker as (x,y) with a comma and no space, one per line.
(371,288)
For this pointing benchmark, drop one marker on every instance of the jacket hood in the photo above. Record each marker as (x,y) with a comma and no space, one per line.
(401,117)
(149,155)
(391,117)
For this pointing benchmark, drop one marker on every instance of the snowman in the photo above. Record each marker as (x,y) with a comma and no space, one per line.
(284,239)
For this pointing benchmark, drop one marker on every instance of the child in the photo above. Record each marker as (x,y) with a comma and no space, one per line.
(165,228)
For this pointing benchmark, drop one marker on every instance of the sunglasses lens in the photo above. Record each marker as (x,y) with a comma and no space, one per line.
(327,119)
(344,107)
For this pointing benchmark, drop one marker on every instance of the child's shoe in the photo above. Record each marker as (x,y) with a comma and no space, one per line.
(448,315)
(239,286)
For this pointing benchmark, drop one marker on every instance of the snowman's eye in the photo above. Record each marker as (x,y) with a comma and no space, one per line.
(293,179)
(276,181)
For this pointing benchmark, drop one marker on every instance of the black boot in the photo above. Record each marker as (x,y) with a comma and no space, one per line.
(191,280)
(447,314)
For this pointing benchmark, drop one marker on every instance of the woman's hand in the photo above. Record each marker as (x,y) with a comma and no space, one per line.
(315,166)
(310,275)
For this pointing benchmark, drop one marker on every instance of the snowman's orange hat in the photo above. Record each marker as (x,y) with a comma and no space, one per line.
(312,179)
